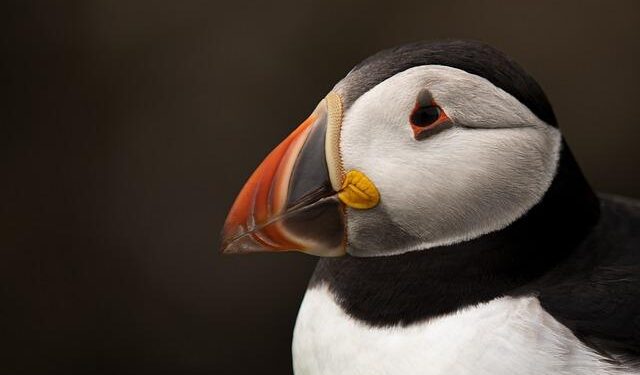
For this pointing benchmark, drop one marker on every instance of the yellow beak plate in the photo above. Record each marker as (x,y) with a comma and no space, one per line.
(358,191)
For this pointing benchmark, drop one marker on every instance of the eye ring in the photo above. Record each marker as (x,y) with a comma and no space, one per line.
(427,117)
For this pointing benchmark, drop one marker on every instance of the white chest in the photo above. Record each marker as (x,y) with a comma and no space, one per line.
(505,336)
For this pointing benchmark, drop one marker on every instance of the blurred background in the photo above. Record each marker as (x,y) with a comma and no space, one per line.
(129,127)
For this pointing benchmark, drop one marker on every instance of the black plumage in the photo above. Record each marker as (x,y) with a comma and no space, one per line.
(596,291)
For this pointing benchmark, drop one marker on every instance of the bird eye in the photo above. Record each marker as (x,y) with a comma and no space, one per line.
(427,118)
(425,115)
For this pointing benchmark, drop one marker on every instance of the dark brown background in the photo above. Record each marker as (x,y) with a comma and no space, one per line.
(129,126)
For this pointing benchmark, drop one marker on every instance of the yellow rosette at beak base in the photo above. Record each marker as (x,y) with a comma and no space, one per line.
(358,191)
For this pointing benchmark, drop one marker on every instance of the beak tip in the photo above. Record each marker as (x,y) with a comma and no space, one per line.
(224,248)
(240,245)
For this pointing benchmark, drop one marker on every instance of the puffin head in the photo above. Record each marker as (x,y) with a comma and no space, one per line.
(419,146)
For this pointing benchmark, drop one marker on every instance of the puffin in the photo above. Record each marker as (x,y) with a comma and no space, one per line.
(455,231)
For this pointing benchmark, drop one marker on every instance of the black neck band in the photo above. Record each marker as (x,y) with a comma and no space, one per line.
(406,288)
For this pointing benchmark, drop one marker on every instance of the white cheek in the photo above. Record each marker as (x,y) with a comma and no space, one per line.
(454,186)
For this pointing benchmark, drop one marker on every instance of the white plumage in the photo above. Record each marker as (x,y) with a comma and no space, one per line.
(506,336)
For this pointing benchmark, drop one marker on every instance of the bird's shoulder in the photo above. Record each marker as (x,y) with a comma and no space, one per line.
(596,292)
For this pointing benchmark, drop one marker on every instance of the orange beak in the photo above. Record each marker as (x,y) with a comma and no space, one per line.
(289,203)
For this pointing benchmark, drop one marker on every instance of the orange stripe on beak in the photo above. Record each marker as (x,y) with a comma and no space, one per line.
(263,198)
